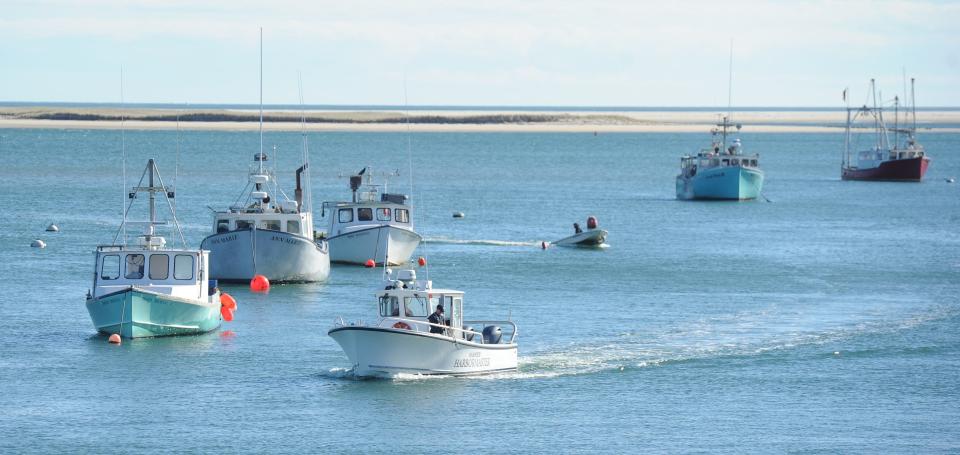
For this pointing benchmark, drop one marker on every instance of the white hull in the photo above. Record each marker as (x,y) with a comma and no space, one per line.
(384,352)
(593,237)
(377,242)
(280,256)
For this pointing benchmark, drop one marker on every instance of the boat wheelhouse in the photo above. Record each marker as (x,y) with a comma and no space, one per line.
(145,289)
(402,340)
(885,160)
(720,172)
(374,225)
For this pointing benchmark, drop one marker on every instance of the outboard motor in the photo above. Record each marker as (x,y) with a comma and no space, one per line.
(592,222)
(468,333)
(492,334)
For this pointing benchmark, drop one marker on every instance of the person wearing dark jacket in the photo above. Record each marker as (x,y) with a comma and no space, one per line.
(436,318)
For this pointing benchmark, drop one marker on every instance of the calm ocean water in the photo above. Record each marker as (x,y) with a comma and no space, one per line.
(823,321)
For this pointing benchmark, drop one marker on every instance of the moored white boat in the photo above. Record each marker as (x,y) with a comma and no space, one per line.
(374,225)
(145,289)
(411,344)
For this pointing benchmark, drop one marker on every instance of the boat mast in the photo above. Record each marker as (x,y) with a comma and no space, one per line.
(729,95)
(913,102)
(123,163)
(896,121)
(153,207)
(260,158)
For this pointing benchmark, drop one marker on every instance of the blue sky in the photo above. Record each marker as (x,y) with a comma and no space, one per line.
(590,53)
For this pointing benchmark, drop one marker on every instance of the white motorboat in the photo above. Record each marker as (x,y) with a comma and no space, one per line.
(592,237)
(265,232)
(410,344)
(374,225)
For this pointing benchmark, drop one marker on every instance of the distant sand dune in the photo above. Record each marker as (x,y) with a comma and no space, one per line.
(480,121)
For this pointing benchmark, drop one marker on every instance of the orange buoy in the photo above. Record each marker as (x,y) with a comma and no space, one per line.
(422,261)
(226,300)
(259,283)
(370,264)
(226,313)
(401,325)
(114,339)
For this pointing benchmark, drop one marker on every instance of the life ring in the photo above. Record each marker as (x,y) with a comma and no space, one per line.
(401,325)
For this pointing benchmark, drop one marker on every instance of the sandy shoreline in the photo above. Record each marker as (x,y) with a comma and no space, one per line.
(447,121)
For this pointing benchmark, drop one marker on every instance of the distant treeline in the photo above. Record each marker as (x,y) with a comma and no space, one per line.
(226,117)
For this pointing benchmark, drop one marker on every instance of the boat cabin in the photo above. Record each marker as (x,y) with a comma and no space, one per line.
(371,206)
(266,207)
(411,302)
(178,273)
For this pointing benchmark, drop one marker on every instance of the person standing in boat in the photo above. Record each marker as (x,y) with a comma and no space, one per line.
(436,318)
(576,228)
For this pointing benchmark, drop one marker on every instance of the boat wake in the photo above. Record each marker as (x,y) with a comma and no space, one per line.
(446,241)
(697,343)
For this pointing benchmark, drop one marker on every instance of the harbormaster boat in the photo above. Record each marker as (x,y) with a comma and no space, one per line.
(411,344)
(266,233)
(906,162)
(592,237)
(374,225)
(146,289)
(720,172)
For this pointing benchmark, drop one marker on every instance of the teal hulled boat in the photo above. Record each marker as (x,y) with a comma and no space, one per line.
(146,289)
(720,172)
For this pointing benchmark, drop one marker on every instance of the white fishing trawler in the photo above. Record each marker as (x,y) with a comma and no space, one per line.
(265,232)
(403,340)
(146,289)
(374,225)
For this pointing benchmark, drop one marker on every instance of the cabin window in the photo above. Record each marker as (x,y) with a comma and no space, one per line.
(753,163)
(293,226)
(734,161)
(389,306)
(272,225)
(159,266)
(134,270)
(244,224)
(110,269)
(383,214)
(402,215)
(726,162)
(365,214)
(417,306)
(345,215)
(223,226)
(183,267)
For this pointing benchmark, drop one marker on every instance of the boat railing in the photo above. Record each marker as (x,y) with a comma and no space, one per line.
(467,334)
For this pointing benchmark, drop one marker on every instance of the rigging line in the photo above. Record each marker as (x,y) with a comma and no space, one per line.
(176,166)
(173,210)
(123,225)
(406,105)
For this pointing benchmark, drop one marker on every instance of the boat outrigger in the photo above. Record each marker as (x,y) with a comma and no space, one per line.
(403,340)
(146,289)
